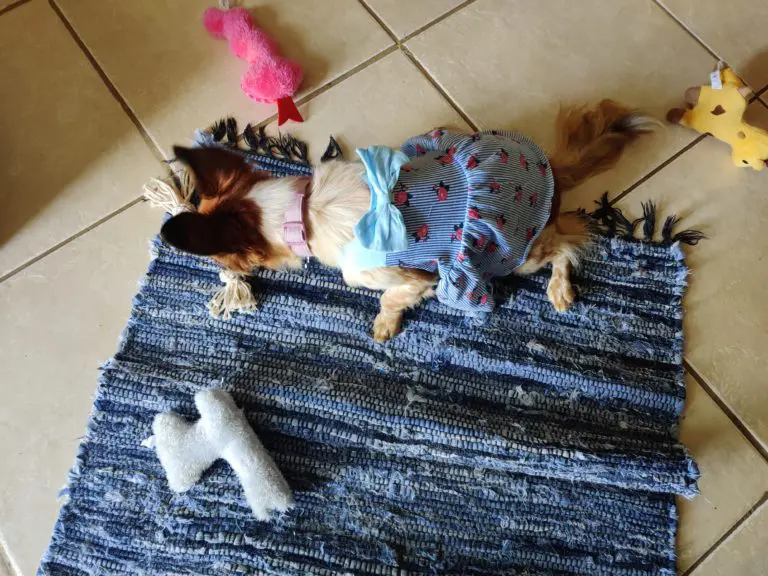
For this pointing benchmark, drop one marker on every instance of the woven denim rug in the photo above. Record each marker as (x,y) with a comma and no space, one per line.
(533,443)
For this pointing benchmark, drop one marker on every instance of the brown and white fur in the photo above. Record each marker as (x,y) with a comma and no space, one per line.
(239,221)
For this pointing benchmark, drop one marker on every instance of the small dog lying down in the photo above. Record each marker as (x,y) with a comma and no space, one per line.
(444,216)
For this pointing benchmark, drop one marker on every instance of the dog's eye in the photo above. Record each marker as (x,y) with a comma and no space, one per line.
(744,162)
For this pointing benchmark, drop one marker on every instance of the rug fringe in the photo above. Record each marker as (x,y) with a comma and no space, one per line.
(610,221)
(332,152)
(255,139)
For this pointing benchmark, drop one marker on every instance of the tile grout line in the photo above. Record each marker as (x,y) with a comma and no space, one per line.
(451,102)
(309,96)
(738,524)
(696,37)
(408,54)
(12,5)
(437,20)
(346,75)
(658,169)
(690,32)
(379,21)
(69,239)
(154,147)
(759,97)
(729,412)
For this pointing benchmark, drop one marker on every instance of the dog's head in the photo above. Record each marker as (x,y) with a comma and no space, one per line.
(229,224)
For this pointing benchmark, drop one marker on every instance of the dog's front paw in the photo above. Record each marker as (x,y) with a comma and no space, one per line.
(560,293)
(387,325)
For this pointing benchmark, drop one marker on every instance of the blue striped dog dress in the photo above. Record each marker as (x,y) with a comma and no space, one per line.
(468,206)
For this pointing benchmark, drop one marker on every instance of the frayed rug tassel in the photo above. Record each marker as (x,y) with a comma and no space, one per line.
(234,296)
(166,195)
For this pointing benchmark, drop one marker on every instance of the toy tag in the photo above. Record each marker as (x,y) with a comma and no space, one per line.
(715,80)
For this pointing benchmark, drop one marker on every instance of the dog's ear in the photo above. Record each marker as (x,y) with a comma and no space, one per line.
(231,231)
(219,172)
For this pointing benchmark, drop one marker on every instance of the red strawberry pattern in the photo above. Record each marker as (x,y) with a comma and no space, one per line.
(402,197)
(501,221)
(421,234)
(458,232)
(461,256)
(530,232)
(518,193)
(533,199)
(441,190)
(494,187)
(447,158)
(523,161)
(543,168)
(420,151)
(407,168)
(480,242)
(438,133)
(492,247)
(474,213)
(472,162)
(503,156)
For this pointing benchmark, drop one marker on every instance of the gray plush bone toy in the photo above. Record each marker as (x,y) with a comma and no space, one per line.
(186,450)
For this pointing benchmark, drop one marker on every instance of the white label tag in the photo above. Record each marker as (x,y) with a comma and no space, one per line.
(714,79)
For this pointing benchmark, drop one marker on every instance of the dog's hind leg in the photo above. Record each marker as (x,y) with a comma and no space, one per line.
(560,245)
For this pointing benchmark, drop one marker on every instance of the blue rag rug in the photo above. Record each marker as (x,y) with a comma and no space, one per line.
(533,443)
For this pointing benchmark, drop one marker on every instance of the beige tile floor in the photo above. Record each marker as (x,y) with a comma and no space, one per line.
(93,94)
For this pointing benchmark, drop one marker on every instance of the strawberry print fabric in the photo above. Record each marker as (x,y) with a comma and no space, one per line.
(473,204)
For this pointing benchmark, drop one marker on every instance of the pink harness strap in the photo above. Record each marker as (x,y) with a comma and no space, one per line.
(294,229)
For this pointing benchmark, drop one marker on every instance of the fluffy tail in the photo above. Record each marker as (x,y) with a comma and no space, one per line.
(591,141)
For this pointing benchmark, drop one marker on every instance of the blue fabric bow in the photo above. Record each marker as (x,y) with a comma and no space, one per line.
(382,228)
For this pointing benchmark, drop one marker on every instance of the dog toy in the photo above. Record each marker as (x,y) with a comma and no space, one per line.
(270,77)
(187,450)
(718,109)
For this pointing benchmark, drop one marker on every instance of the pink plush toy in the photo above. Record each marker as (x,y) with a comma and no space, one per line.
(270,77)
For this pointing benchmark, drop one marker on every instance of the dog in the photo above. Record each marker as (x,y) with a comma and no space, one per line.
(246,219)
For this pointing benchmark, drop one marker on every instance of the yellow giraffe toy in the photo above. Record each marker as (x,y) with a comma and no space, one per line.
(719,112)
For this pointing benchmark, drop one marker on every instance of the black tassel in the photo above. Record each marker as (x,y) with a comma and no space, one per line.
(231,129)
(219,130)
(649,217)
(250,137)
(624,227)
(263,140)
(612,219)
(669,224)
(690,237)
(295,149)
(332,152)
(284,147)
(604,215)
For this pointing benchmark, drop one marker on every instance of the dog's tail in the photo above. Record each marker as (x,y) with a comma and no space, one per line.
(591,141)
